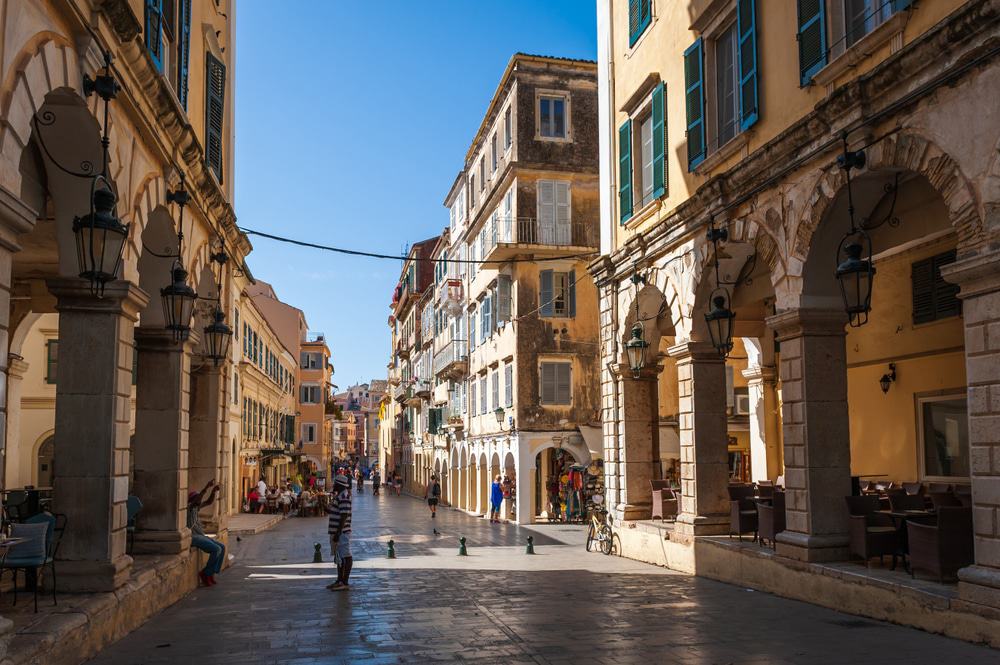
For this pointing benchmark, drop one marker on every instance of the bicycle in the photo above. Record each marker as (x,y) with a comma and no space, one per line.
(600,531)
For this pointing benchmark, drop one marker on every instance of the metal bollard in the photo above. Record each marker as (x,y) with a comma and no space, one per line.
(391,554)
(462,551)
(318,554)
(531,546)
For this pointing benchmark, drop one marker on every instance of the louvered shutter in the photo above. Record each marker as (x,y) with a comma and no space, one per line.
(639,16)
(154,32)
(746,17)
(946,301)
(215,106)
(503,298)
(812,38)
(562,374)
(545,293)
(495,378)
(184,51)
(922,282)
(900,5)
(508,379)
(483,396)
(659,116)
(548,387)
(563,214)
(546,212)
(625,171)
(694,93)
(572,293)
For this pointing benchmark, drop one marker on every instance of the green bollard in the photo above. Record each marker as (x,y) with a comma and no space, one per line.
(531,546)
(391,554)
(318,554)
(462,551)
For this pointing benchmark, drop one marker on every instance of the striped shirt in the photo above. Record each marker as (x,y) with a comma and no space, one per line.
(340,506)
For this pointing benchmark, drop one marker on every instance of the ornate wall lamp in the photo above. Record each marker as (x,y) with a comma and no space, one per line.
(635,347)
(888,379)
(218,334)
(855,271)
(178,297)
(721,317)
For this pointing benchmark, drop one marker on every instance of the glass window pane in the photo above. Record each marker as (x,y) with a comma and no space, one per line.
(725,88)
(559,118)
(946,438)
(646,137)
(546,116)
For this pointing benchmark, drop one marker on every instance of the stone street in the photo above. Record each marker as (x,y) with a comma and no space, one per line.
(562,605)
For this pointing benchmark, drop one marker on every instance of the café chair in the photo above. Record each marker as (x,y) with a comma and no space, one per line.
(771,519)
(944,500)
(765,489)
(938,488)
(664,501)
(943,547)
(914,489)
(42,533)
(871,532)
(742,511)
(906,502)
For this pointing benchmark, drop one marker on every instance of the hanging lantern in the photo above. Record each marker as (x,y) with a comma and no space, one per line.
(720,322)
(635,349)
(855,275)
(178,303)
(217,337)
(100,239)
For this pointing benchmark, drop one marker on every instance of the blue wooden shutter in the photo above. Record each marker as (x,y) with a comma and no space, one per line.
(545,293)
(812,38)
(215,107)
(639,16)
(184,51)
(154,32)
(625,171)
(572,293)
(659,113)
(746,17)
(694,93)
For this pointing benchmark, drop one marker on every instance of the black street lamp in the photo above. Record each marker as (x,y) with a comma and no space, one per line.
(635,349)
(855,270)
(218,335)
(721,317)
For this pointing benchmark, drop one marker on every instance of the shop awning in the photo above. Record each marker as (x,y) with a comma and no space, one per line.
(594,438)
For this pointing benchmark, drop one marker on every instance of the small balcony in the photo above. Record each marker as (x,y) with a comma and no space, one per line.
(506,238)
(398,392)
(452,361)
(422,389)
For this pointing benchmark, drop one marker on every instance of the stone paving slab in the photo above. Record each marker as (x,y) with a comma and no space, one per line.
(497,605)
(246,524)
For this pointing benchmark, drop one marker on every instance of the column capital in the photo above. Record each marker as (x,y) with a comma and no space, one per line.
(760,374)
(976,275)
(161,339)
(120,296)
(16,218)
(808,322)
(695,350)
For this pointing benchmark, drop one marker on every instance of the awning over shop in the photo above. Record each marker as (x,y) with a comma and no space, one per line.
(593,437)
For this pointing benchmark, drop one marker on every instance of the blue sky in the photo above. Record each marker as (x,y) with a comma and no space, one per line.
(352,120)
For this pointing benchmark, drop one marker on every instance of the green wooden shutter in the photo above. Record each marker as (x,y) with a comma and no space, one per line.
(625,171)
(639,17)
(545,293)
(746,17)
(933,297)
(548,383)
(694,93)
(812,38)
(659,113)
(572,293)
(51,360)
(946,301)
(215,106)
(154,32)
(184,51)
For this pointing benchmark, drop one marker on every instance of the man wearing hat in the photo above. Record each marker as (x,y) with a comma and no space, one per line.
(216,551)
(339,528)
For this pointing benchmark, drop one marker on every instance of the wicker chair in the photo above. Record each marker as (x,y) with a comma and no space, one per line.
(742,511)
(914,489)
(902,502)
(871,533)
(765,489)
(938,488)
(942,548)
(771,519)
(941,500)
(664,501)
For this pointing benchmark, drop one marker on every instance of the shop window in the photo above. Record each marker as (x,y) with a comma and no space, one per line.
(51,360)
(933,297)
(555,383)
(944,437)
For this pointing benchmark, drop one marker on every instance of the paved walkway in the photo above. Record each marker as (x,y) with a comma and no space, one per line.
(498,605)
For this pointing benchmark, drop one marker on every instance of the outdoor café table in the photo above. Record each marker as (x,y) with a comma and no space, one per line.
(899,518)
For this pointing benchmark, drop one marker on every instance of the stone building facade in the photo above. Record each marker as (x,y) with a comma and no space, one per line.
(723,114)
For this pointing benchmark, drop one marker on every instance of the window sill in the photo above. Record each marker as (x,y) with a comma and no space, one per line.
(730,148)
(861,50)
(643,214)
(554,139)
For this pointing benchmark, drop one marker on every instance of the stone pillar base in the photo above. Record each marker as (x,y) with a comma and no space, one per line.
(161,542)
(979,584)
(93,576)
(633,511)
(702,525)
(812,548)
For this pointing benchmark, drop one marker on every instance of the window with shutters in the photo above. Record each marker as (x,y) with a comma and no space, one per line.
(308,433)
(645,131)
(493,153)
(482,174)
(933,297)
(51,360)
(503,299)
(508,129)
(555,215)
(495,379)
(215,108)
(863,16)
(555,383)
(486,317)
(508,381)
(640,14)
(557,294)
(726,107)
(482,395)
(472,190)
(552,115)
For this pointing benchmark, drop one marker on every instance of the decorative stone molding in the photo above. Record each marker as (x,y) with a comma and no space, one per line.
(122,19)
(807,322)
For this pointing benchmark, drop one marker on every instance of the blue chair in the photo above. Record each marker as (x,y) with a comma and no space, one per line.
(42,533)
(133,506)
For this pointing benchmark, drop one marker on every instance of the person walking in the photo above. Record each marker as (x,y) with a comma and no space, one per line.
(361,481)
(398,483)
(339,529)
(376,482)
(432,493)
(496,498)
(216,551)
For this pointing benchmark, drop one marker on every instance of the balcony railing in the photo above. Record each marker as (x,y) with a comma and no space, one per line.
(452,358)
(505,232)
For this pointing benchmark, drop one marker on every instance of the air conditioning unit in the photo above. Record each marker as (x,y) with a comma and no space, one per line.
(741,407)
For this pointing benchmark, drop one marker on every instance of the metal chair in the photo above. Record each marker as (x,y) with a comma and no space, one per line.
(43,532)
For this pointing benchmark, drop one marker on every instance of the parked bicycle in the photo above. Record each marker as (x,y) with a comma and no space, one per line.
(600,531)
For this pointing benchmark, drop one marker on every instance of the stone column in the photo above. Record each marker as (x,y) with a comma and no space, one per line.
(704,425)
(979,278)
(205,459)
(639,453)
(160,444)
(765,455)
(16,367)
(93,397)
(817,435)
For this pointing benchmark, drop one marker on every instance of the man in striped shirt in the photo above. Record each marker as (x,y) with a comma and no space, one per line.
(340,532)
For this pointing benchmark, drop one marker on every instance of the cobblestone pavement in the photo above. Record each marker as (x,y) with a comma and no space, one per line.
(497,605)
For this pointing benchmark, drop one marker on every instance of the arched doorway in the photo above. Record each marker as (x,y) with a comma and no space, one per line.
(555,497)
(45,463)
